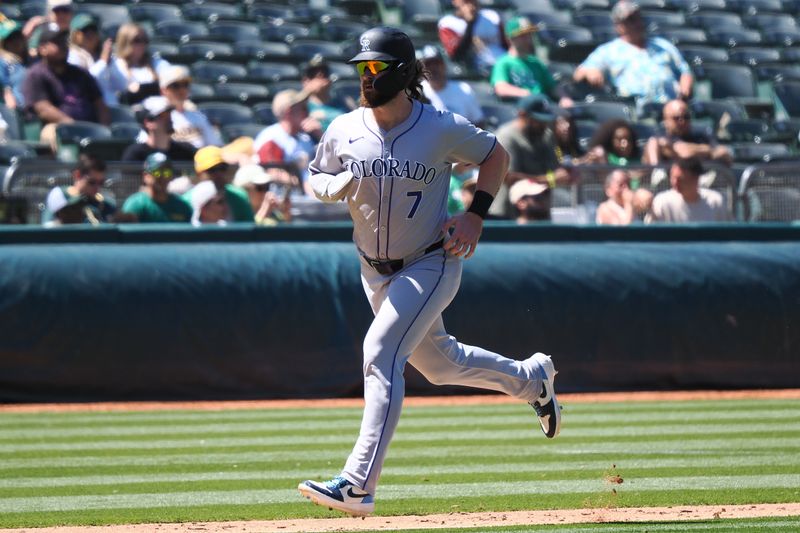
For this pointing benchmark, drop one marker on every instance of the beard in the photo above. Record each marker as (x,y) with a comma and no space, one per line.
(370,97)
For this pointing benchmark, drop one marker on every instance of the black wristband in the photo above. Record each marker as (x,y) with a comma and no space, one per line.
(481,203)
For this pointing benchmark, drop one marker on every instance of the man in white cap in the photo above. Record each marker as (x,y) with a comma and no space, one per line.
(531,200)
(189,124)
(650,69)
(445,94)
(269,209)
(289,141)
(154,114)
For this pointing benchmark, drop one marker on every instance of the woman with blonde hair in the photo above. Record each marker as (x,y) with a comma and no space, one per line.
(135,65)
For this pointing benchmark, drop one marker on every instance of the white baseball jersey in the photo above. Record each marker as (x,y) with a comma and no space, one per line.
(398,200)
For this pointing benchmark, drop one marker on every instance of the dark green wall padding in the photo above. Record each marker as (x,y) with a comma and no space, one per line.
(139,313)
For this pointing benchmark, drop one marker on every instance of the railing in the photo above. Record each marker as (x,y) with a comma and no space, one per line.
(770,193)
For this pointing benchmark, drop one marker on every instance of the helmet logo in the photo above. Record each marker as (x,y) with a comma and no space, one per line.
(365,44)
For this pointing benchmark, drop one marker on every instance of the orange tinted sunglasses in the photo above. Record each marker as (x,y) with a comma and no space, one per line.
(373,66)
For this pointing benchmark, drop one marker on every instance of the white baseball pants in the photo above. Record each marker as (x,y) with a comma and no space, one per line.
(408,327)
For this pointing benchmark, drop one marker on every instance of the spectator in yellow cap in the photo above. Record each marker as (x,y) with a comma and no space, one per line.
(209,165)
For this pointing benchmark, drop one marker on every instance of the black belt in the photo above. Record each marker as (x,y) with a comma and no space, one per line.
(389,267)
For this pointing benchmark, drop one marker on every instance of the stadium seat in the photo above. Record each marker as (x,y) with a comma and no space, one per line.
(746,55)
(224,113)
(683,36)
(262,50)
(233,31)
(714,110)
(602,111)
(246,93)
(655,19)
(108,15)
(498,114)
(70,135)
(285,32)
(345,94)
(784,37)
(770,193)
(771,21)
(732,37)
(105,149)
(760,152)
(262,113)
(368,9)
(571,44)
(272,12)
(13,150)
(154,12)
(125,130)
(341,30)
(714,20)
(121,113)
(540,6)
(177,31)
(234,131)
(580,5)
(697,55)
(162,49)
(305,49)
(788,95)
(690,6)
(272,71)
(197,50)
(11,11)
(217,71)
(549,18)
(210,11)
(345,71)
(728,80)
(747,130)
(753,7)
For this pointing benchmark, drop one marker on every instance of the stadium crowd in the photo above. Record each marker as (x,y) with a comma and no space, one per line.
(613,112)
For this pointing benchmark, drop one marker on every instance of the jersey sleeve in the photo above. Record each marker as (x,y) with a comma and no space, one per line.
(326,159)
(469,144)
(500,72)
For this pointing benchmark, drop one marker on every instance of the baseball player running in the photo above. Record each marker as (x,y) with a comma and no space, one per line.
(390,159)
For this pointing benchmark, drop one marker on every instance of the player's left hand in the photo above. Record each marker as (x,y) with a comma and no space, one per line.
(466,230)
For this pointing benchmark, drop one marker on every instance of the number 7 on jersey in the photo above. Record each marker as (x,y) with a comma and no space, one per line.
(417,195)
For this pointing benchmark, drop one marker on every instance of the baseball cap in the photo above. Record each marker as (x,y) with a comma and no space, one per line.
(623,9)
(248,174)
(52,33)
(55,4)
(539,107)
(286,99)
(81,21)
(153,106)
(155,161)
(516,26)
(207,157)
(58,200)
(524,188)
(173,74)
(7,27)
(201,194)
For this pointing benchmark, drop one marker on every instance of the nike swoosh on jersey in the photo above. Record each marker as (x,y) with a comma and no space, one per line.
(354,139)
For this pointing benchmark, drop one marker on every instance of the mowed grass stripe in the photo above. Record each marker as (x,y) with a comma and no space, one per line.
(146,455)
(667,410)
(258,480)
(577,424)
(224,471)
(390,492)
(312,437)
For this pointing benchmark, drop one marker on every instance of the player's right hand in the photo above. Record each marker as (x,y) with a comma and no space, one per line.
(465,231)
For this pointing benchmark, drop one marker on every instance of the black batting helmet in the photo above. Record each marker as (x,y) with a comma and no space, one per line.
(391,45)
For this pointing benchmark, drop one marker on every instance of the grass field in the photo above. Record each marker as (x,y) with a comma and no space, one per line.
(174,466)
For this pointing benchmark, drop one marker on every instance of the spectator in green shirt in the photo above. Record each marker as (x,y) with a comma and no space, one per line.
(519,73)
(153,203)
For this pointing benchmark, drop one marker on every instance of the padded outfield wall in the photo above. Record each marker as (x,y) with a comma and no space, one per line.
(145,313)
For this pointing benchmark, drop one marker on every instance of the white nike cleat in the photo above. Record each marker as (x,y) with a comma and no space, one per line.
(339,494)
(546,405)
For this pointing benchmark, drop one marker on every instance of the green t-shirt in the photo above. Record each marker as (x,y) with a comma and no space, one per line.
(527,72)
(238,203)
(324,113)
(175,209)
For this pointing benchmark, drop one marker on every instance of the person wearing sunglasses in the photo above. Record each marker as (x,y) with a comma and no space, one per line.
(155,115)
(153,202)
(83,201)
(390,160)
(211,165)
(679,140)
(190,125)
(270,209)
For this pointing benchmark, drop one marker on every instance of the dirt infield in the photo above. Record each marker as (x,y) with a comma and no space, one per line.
(441,521)
(452,521)
(782,394)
